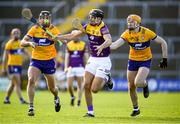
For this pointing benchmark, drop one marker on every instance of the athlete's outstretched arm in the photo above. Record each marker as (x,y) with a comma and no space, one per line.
(71,36)
(119,42)
(163,62)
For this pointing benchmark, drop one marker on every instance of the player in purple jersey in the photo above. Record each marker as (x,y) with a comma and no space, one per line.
(97,69)
(75,59)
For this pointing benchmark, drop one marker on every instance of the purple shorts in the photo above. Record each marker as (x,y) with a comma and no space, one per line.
(45,66)
(14,69)
(135,65)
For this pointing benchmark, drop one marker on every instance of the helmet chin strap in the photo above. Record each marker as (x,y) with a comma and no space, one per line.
(46,25)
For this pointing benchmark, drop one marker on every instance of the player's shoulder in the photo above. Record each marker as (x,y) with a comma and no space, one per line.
(69,43)
(82,42)
(144,29)
(52,27)
(34,27)
(102,25)
(9,42)
(126,32)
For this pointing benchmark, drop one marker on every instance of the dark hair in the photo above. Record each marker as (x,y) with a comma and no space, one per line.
(97,13)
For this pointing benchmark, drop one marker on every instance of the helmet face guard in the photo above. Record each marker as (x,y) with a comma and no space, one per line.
(94,20)
(95,16)
(45,18)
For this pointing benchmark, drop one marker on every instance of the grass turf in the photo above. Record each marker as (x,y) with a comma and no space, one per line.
(110,108)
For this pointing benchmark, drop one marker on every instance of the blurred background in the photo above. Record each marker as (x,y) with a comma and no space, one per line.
(163,17)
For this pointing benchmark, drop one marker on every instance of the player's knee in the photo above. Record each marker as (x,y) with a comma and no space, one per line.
(131,87)
(31,81)
(52,89)
(94,90)
(139,83)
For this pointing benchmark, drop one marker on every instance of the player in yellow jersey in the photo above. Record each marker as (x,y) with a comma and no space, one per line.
(139,38)
(13,58)
(42,61)
(75,60)
(97,69)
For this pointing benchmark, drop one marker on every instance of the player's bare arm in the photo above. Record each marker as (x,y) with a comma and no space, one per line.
(163,62)
(26,42)
(4,62)
(107,43)
(118,43)
(66,61)
(86,55)
(71,36)
(163,43)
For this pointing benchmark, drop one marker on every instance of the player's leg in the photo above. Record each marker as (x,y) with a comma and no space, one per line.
(102,75)
(33,74)
(9,92)
(17,81)
(79,89)
(131,75)
(79,78)
(88,79)
(70,81)
(140,80)
(97,84)
(54,90)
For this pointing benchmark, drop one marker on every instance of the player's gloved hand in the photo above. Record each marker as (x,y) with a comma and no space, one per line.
(163,63)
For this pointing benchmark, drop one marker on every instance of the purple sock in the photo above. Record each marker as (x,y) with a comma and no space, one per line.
(90,108)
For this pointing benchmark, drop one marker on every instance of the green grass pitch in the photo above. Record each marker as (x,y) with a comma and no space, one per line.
(110,108)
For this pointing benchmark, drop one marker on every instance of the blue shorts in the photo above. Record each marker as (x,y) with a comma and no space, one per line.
(45,66)
(135,65)
(14,69)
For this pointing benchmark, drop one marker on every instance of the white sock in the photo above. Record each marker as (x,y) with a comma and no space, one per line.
(91,112)
(136,109)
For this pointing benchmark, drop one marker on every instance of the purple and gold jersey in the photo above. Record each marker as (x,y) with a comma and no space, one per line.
(95,36)
(76,53)
(45,49)
(14,53)
(139,43)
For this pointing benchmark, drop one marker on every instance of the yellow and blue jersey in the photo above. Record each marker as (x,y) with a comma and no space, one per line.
(14,53)
(45,49)
(139,43)
(76,53)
